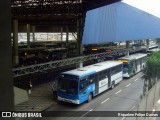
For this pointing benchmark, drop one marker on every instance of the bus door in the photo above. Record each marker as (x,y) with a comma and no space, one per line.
(96,84)
(109,78)
(83,90)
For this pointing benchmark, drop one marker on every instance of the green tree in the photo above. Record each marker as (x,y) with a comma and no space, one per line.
(151,71)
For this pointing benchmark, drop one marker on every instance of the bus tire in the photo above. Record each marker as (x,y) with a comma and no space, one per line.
(112,86)
(89,97)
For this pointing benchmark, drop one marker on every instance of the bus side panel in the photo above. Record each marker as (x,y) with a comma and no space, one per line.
(103,85)
(117,77)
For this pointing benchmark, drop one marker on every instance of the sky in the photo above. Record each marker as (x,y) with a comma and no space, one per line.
(150,6)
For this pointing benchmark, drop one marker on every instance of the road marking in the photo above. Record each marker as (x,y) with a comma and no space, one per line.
(123,118)
(136,79)
(87,112)
(128,85)
(133,107)
(105,101)
(118,92)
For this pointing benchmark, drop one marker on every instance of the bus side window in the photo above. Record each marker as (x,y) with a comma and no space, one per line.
(83,84)
(91,79)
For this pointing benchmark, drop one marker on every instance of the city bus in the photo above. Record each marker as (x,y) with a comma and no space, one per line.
(133,64)
(82,84)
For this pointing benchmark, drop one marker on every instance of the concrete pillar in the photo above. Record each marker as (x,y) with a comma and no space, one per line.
(127,47)
(61,33)
(28,35)
(78,37)
(79,40)
(147,42)
(15,43)
(33,33)
(158,42)
(6,84)
(67,32)
(127,44)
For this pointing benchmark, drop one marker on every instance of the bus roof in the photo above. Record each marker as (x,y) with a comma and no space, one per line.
(81,72)
(134,56)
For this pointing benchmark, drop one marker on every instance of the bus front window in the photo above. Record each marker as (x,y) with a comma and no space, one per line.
(68,86)
(125,67)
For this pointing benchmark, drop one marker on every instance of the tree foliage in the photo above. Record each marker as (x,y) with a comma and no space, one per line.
(152,70)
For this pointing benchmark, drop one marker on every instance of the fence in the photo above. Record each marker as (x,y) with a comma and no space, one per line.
(148,102)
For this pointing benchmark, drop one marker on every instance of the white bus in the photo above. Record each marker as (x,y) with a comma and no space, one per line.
(80,85)
(133,64)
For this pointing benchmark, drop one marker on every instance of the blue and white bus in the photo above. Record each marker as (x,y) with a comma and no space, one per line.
(80,85)
(133,64)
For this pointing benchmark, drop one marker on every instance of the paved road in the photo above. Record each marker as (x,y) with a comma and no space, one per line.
(122,98)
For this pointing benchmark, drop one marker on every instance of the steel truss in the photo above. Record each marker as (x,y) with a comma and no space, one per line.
(76,60)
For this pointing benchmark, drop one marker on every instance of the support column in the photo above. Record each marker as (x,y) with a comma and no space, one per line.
(158,42)
(140,43)
(78,37)
(28,35)
(79,40)
(127,47)
(15,43)
(67,32)
(147,42)
(33,33)
(6,85)
(61,33)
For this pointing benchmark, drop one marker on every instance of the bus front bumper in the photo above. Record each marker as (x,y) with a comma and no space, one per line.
(126,75)
(68,100)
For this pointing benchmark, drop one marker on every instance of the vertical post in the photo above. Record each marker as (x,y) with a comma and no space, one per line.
(15,43)
(127,47)
(6,86)
(33,33)
(28,35)
(140,43)
(61,33)
(80,42)
(47,36)
(147,42)
(158,42)
(67,32)
(78,37)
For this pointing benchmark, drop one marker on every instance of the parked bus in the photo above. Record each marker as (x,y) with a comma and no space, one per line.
(133,64)
(80,85)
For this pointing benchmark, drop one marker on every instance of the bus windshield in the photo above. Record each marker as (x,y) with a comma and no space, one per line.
(125,67)
(68,86)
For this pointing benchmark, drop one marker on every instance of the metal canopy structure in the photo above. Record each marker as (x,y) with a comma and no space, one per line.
(53,12)
(119,22)
(76,60)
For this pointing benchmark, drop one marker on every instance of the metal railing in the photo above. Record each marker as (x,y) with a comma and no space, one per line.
(59,63)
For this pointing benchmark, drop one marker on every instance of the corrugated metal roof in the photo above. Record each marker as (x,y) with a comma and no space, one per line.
(119,22)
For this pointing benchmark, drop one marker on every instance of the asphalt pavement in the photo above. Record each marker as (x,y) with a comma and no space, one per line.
(123,97)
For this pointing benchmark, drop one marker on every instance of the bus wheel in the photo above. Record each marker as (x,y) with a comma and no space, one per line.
(112,86)
(89,97)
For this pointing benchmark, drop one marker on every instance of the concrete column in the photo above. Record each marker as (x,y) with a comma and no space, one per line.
(67,32)
(140,43)
(127,44)
(61,33)
(28,35)
(127,47)
(33,33)
(79,39)
(15,43)
(6,84)
(147,42)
